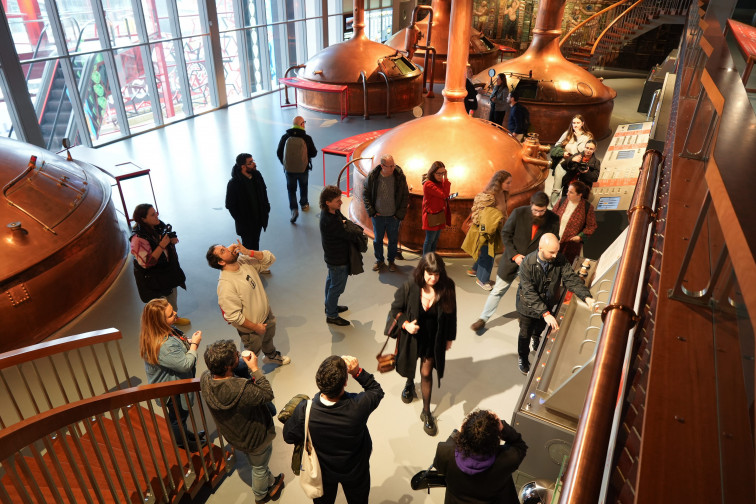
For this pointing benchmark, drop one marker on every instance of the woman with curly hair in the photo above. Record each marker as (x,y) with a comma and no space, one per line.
(168,355)
(425,308)
(477,466)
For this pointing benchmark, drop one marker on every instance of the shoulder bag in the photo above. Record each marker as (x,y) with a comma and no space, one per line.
(437,219)
(310,477)
(387,362)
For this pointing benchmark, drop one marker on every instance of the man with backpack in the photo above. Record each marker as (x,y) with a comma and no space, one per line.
(295,151)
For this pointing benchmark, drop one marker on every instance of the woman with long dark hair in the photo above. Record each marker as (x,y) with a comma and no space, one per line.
(498,100)
(577,219)
(436,213)
(483,239)
(168,355)
(478,467)
(425,308)
(156,266)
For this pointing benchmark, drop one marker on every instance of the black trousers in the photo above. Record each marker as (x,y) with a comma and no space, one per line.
(251,239)
(356,490)
(530,328)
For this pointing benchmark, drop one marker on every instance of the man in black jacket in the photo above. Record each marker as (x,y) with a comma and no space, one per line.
(247,201)
(386,195)
(238,405)
(583,166)
(338,428)
(520,235)
(296,158)
(541,272)
(336,242)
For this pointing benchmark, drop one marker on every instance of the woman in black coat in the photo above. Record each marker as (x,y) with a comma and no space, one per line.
(425,308)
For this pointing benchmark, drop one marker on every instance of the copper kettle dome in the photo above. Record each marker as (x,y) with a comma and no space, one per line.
(472,151)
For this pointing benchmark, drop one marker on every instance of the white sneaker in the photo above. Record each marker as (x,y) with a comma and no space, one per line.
(484,286)
(279,359)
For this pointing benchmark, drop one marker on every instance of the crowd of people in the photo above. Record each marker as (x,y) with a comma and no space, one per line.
(424,310)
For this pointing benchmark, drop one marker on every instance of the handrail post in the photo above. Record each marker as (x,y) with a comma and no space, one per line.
(584,475)
(286,88)
(388,94)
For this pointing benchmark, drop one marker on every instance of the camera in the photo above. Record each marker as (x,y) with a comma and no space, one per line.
(582,167)
(165,229)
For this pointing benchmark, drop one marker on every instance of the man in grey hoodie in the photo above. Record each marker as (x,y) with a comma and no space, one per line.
(239,407)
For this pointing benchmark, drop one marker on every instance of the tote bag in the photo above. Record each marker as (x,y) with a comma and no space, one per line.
(310,477)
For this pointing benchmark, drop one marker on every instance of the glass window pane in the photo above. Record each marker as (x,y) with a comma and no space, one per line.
(168,84)
(314,37)
(189,18)
(335,29)
(6,124)
(225,15)
(30,30)
(95,88)
(230,55)
(278,52)
(156,19)
(133,82)
(195,50)
(121,24)
(313,8)
(254,61)
(275,10)
(77,20)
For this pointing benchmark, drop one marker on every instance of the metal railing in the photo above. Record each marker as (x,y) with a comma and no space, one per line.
(109,448)
(41,377)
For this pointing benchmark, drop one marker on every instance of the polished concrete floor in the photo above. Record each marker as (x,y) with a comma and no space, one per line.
(190,164)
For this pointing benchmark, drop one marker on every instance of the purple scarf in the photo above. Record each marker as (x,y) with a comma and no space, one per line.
(473,464)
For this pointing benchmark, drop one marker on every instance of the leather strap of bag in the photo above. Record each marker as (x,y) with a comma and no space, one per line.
(388,336)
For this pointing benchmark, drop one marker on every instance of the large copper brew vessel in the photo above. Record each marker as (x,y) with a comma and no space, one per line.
(61,245)
(472,151)
(552,88)
(392,81)
(482,53)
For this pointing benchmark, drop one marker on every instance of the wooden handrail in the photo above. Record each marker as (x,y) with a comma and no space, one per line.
(611,25)
(584,476)
(26,432)
(586,20)
(56,346)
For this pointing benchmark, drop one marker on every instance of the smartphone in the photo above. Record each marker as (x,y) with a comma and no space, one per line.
(453,195)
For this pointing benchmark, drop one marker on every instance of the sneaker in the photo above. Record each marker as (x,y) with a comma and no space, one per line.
(294,215)
(182,321)
(524,365)
(485,286)
(274,490)
(408,393)
(429,423)
(392,266)
(277,358)
(378,265)
(478,325)
(471,272)
(305,207)
(337,321)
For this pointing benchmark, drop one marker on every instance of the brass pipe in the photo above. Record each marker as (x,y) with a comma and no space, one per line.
(356,166)
(583,479)
(286,88)
(427,47)
(388,93)
(363,77)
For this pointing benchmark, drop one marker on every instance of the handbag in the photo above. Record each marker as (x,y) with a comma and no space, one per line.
(429,478)
(387,362)
(437,219)
(310,477)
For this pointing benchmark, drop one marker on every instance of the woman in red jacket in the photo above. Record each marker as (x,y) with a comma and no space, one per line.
(576,219)
(436,214)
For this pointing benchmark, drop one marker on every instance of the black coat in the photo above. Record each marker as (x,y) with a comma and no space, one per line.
(247,216)
(335,238)
(401,192)
(492,486)
(471,100)
(407,301)
(536,293)
(298,132)
(572,168)
(158,280)
(516,238)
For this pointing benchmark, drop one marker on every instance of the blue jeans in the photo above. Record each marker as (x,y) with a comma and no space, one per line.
(499,289)
(431,240)
(385,226)
(483,265)
(334,287)
(261,476)
(292,179)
